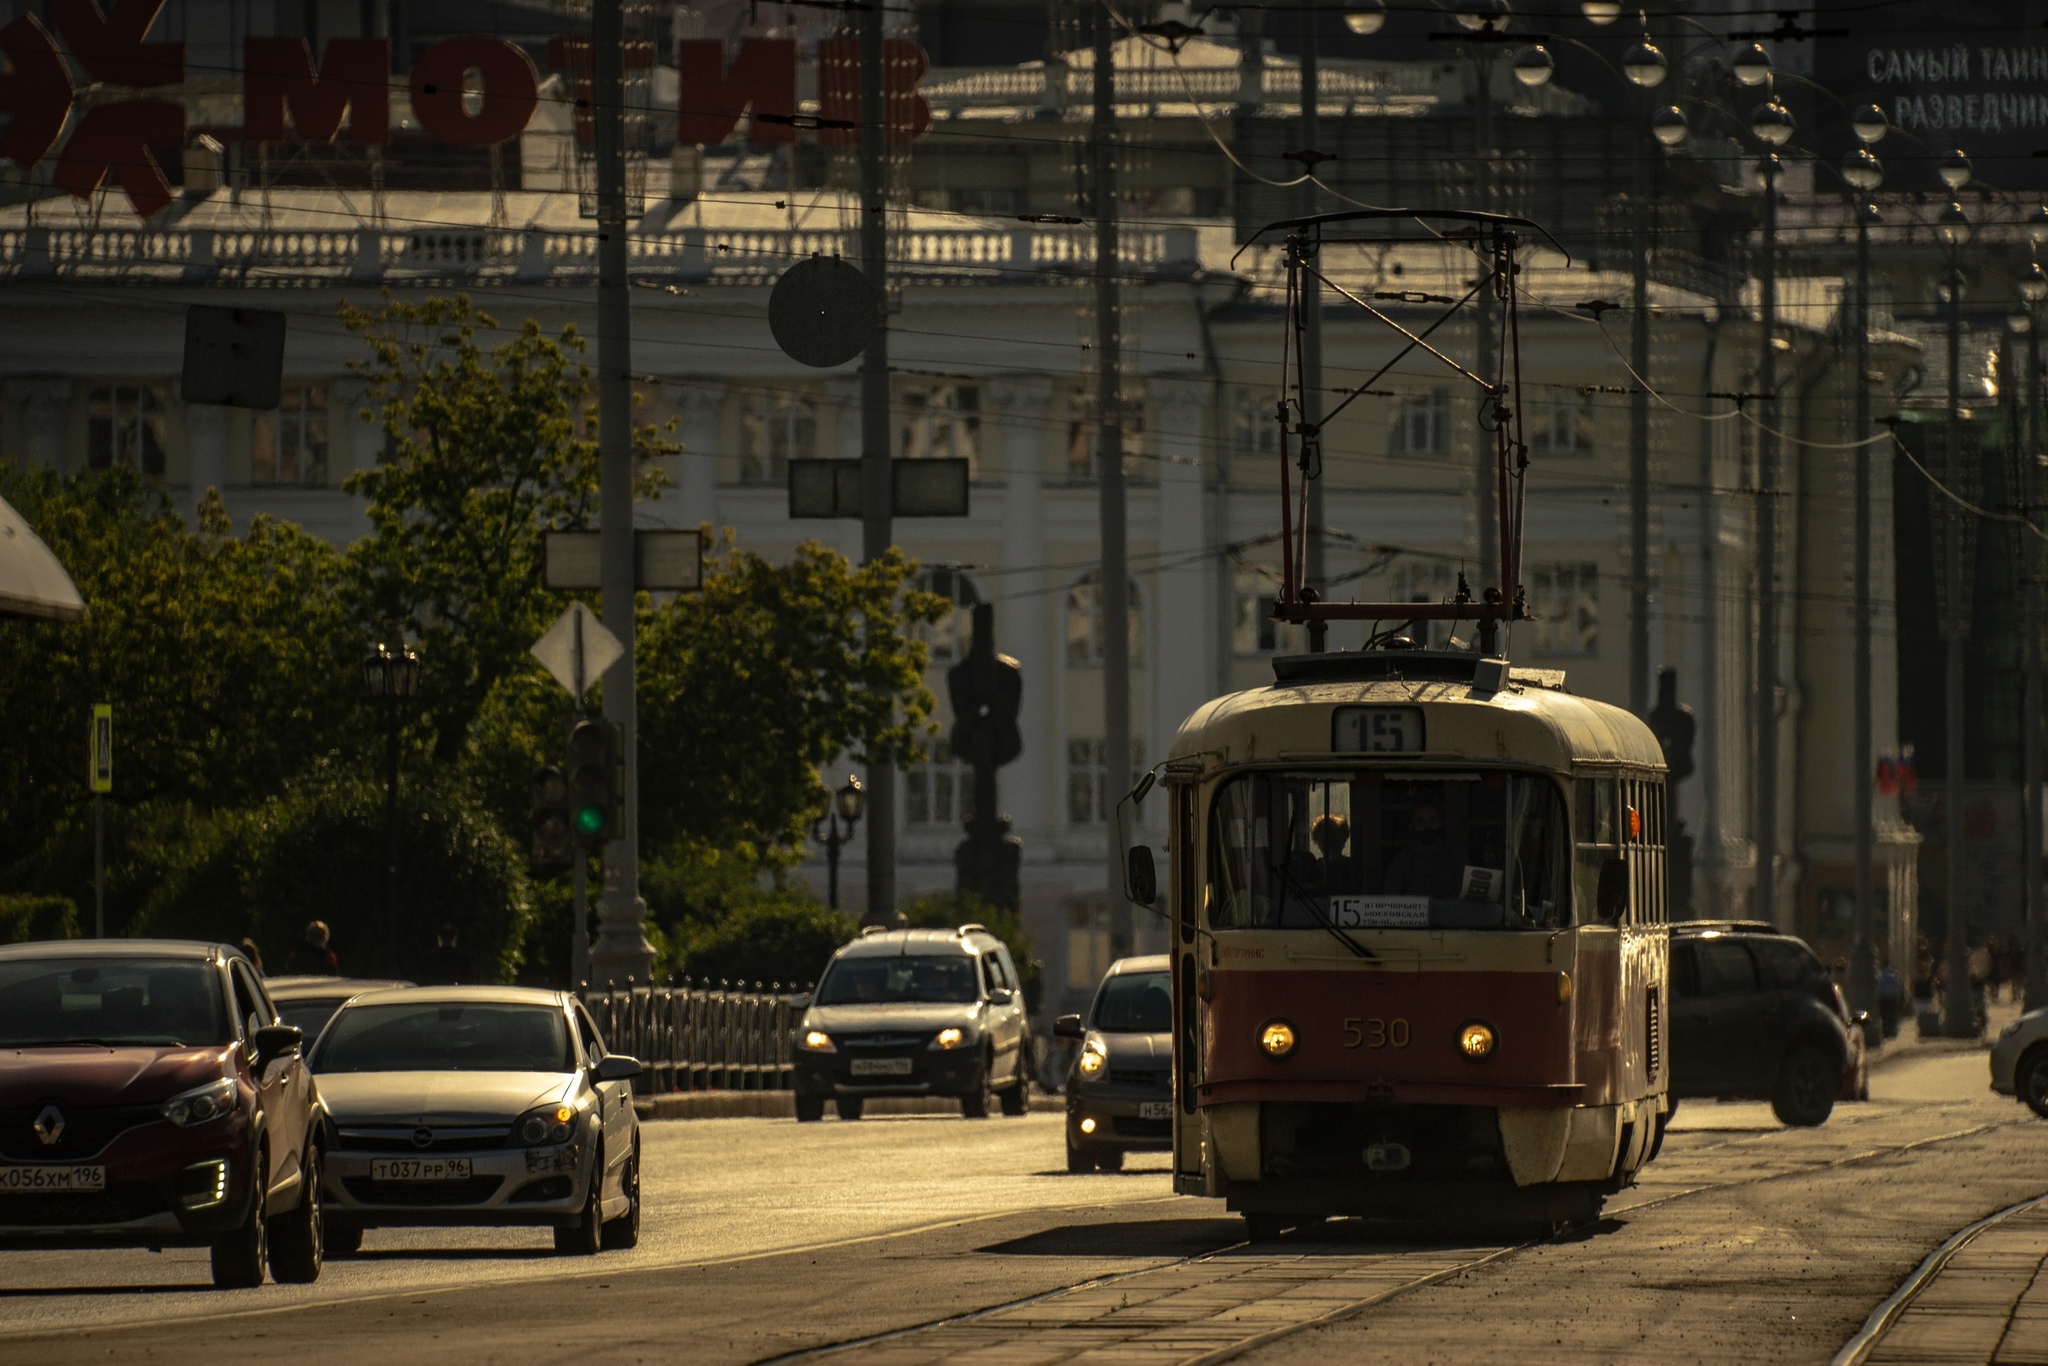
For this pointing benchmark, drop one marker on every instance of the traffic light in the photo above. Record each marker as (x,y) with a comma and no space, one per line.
(594,783)
(553,847)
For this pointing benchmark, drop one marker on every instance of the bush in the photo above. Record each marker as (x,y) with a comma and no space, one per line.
(24,918)
(782,938)
(951,910)
(317,853)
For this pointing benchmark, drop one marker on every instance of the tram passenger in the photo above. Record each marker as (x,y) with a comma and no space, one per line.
(1431,865)
(1330,870)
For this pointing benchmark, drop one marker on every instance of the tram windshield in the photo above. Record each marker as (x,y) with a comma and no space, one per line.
(1384,849)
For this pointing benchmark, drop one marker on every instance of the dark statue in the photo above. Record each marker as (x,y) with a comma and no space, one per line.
(986,689)
(1671,721)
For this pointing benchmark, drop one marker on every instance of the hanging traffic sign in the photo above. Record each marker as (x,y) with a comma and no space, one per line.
(577,649)
(100,774)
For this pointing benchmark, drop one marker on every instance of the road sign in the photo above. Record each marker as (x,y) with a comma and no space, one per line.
(100,776)
(663,560)
(822,312)
(921,488)
(577,649)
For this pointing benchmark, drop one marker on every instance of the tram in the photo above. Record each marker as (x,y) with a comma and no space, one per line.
(1419,943)
(1417,895)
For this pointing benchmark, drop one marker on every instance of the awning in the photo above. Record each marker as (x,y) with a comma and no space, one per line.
(32,583)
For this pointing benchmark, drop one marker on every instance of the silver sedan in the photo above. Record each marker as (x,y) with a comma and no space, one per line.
(477,1106)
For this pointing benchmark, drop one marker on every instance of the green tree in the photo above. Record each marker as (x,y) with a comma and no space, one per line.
(487,446)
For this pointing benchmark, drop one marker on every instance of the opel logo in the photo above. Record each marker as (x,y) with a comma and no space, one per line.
(49,1126)
(421,1138)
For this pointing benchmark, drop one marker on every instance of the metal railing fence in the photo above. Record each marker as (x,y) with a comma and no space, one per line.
(702,1036)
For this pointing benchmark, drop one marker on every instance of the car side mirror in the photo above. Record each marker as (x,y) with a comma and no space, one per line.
(1068,1027)
(1141,877)
(618,1067)
(1610,900)
(277,1041)
(1000,997)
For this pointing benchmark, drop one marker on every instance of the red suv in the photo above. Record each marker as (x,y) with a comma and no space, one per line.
(149,1098)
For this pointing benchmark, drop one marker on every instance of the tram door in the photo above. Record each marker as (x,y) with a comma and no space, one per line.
(1187,1038)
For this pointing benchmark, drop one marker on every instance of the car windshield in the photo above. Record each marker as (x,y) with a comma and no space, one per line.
(1386,849)
(117,1001)
(880,981)
(309,1014)
(1135,1003)
(446,1036)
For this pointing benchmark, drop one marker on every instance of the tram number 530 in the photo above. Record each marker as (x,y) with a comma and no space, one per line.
(1368,1032)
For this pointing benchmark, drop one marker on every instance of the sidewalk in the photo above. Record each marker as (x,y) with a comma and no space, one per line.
(1985,1303)
(1909,1044)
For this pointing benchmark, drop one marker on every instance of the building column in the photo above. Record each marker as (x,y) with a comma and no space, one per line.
(206,455)
(45,419)
(843,402)
(1024,611)
(692,498)
(1185,662)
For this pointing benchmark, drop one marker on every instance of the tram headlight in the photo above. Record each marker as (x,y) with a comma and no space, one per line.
(1564,988)
(1476,1040)
(1276,1038)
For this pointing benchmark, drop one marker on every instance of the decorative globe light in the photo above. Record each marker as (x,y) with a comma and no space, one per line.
(1533,66)
(1863,170)
(1600,12)
(850,800)
(1949,287)
(1668,125)
(1753,65)
(1645,66)
(1482,16)
(1953,226)
(1772,123)
(2034,283)
(1869,124)
(1366,17)
(2021,320)
(2037,225)
(1954,170)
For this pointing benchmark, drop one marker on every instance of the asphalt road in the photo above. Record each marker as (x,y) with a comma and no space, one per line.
(929,1239)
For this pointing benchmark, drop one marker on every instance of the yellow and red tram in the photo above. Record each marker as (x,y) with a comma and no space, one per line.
(1419,943)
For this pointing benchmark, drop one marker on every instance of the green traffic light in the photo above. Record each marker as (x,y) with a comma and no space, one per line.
(589,820)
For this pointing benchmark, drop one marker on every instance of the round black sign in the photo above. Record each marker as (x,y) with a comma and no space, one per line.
(822,312)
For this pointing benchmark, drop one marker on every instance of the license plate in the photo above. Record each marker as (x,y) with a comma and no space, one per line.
(881,1067)
(421,1169)
(1155,1109)
(41,1180)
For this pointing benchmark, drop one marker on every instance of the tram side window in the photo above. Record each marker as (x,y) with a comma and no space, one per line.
(1599,837)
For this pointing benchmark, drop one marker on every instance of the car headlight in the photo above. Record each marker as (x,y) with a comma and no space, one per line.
(1476,1040)
(817,1041)
(202,1104)
(1093,1060)
(1276,1038)
(546,1124)
(952,1036)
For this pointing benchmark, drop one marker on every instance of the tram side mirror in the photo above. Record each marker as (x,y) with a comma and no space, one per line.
(1141,877)
(1068,1027)
(1610,900)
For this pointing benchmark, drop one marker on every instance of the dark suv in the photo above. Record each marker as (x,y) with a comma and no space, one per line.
(149,1098)
(1754,1016)
(915,1013)
(1120,1093)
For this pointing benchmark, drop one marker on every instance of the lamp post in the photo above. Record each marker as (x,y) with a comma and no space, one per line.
(2033,289)
(1645,68)
(1953,230)
(842,814)
(392,678)
(1771,124)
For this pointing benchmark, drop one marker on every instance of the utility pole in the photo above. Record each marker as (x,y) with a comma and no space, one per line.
(1114,592)
(2030,622)
(622,953)
(877,486)
(1958,1009)
(1863,953)
(1764,897)
(1314,569)
(1491,571)
(1639,443)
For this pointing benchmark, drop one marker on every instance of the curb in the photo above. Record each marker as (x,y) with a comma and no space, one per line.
(782,1105)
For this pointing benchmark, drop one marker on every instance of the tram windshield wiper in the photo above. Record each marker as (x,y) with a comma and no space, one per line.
(1293,888)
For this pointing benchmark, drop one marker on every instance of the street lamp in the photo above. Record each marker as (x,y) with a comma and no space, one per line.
(1669,127)
(1952,229)
(1600,12)
(1954,170)
(842,814)
(2033,288)
(1644,65)
(1366,17)
(1753,65)
(1482,16)
(1869,124)
(1771,123)
(391,678)
(1533,66)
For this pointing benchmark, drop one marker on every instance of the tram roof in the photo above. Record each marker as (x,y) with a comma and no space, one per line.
(1532,719)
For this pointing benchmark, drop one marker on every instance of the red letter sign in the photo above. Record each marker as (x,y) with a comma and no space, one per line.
(277,74)
(905,114)
(510,86)
(36,90)
(115,140)
(712,99)
(110,46)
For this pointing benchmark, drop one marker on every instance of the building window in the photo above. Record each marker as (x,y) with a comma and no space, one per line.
(1081,437)
(939,790)
(1089,800)
(1560,421)
(776,427)
(1565,600)
(289,446)
(1254,433)
(1084,622)
(1256,633)
(125,426)
(950,637)
(1422,424)
(941,422)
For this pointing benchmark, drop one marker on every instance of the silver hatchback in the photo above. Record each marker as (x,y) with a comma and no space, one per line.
(2019,1061)
(477,1106)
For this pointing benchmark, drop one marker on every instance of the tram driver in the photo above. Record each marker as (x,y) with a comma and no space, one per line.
(1431,865)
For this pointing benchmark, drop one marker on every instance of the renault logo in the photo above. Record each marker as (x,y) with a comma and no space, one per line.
(421,1138)
(49,1126)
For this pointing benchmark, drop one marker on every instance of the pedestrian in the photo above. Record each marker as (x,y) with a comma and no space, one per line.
(1890,997)
(312,957)
(447,965)
(1994,972)
(253,954)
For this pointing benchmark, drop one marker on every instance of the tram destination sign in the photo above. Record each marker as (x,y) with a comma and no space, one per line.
(1376,730)
(1971,74)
